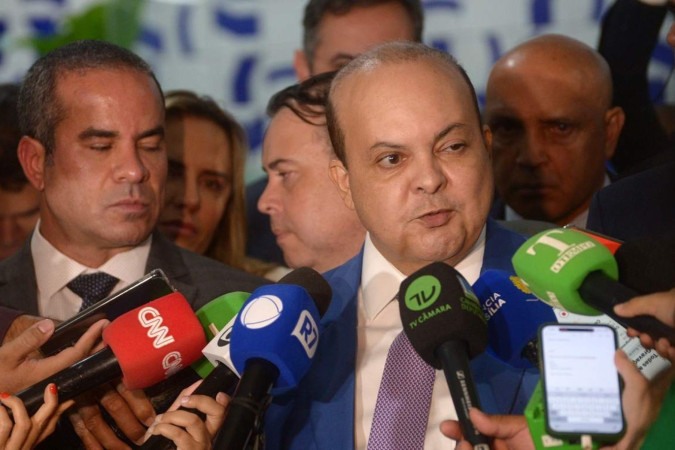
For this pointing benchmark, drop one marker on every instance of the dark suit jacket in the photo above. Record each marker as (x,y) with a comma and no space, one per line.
(198,278)
(319,414)
(637,206)
(629,35)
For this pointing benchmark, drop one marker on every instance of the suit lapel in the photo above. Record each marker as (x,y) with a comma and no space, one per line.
(166,256)
(331,386)
(18,287)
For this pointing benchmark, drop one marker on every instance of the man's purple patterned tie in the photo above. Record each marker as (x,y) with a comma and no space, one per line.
(403,401)
(92,287)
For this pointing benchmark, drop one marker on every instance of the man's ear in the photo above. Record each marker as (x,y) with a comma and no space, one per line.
(32,156)
(614,120)
(301,65)
(487,139)
(340,176)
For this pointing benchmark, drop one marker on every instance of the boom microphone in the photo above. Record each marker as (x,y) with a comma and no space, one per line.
(273,342)
(445,324)
(513,315)
(146,345)
(571,271)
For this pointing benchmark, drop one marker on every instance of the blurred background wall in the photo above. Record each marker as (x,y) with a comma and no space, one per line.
(240,51)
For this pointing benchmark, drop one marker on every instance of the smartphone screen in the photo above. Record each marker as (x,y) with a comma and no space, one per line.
(582,393)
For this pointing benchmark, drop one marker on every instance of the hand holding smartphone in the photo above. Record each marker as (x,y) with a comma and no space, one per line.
(582,390)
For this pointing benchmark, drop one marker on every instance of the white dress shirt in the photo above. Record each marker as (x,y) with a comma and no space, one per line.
(378,323)
(54,270)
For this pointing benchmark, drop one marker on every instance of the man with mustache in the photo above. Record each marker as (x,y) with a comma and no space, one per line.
(549,106)
(92,119)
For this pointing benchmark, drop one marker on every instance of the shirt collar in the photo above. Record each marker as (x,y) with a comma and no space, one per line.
(380,280)
(54,270)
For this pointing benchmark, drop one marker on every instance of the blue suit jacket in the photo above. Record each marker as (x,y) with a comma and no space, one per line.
(319,414)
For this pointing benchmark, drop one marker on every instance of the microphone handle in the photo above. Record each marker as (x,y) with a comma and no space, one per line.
(455,363)
(72,381)
(603,293)
(221,379)
(248,403)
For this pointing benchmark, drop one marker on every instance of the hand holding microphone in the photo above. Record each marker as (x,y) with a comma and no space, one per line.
(445,325)
(179,427)
(571,271)
(509,432)
(145,346)
(660,305)
(222,372)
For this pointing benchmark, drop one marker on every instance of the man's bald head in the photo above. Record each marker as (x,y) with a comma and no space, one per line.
(555,55)
(549,105)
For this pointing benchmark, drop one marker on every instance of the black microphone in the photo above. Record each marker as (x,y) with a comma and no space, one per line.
(445,324)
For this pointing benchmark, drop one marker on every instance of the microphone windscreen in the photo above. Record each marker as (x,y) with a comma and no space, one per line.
(213,317)
(316,285)
(279,323)
(648,264)
(155,340)
(437,305)
(554,264)
(513,315)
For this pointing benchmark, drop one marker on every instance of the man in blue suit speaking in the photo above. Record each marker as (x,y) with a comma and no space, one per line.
(413,161)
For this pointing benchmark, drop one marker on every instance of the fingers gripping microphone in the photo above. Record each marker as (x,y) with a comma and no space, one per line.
(273,342)
(445,324)
(146,345)
(571,271)
(215,317)
(513,315)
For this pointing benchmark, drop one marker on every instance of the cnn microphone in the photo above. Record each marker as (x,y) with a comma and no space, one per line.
(273,342)
(513,315)
(445,325)
(145,345)
(572,271)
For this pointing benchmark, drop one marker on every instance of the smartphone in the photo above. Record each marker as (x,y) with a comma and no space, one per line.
(582,390)
(152,286)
